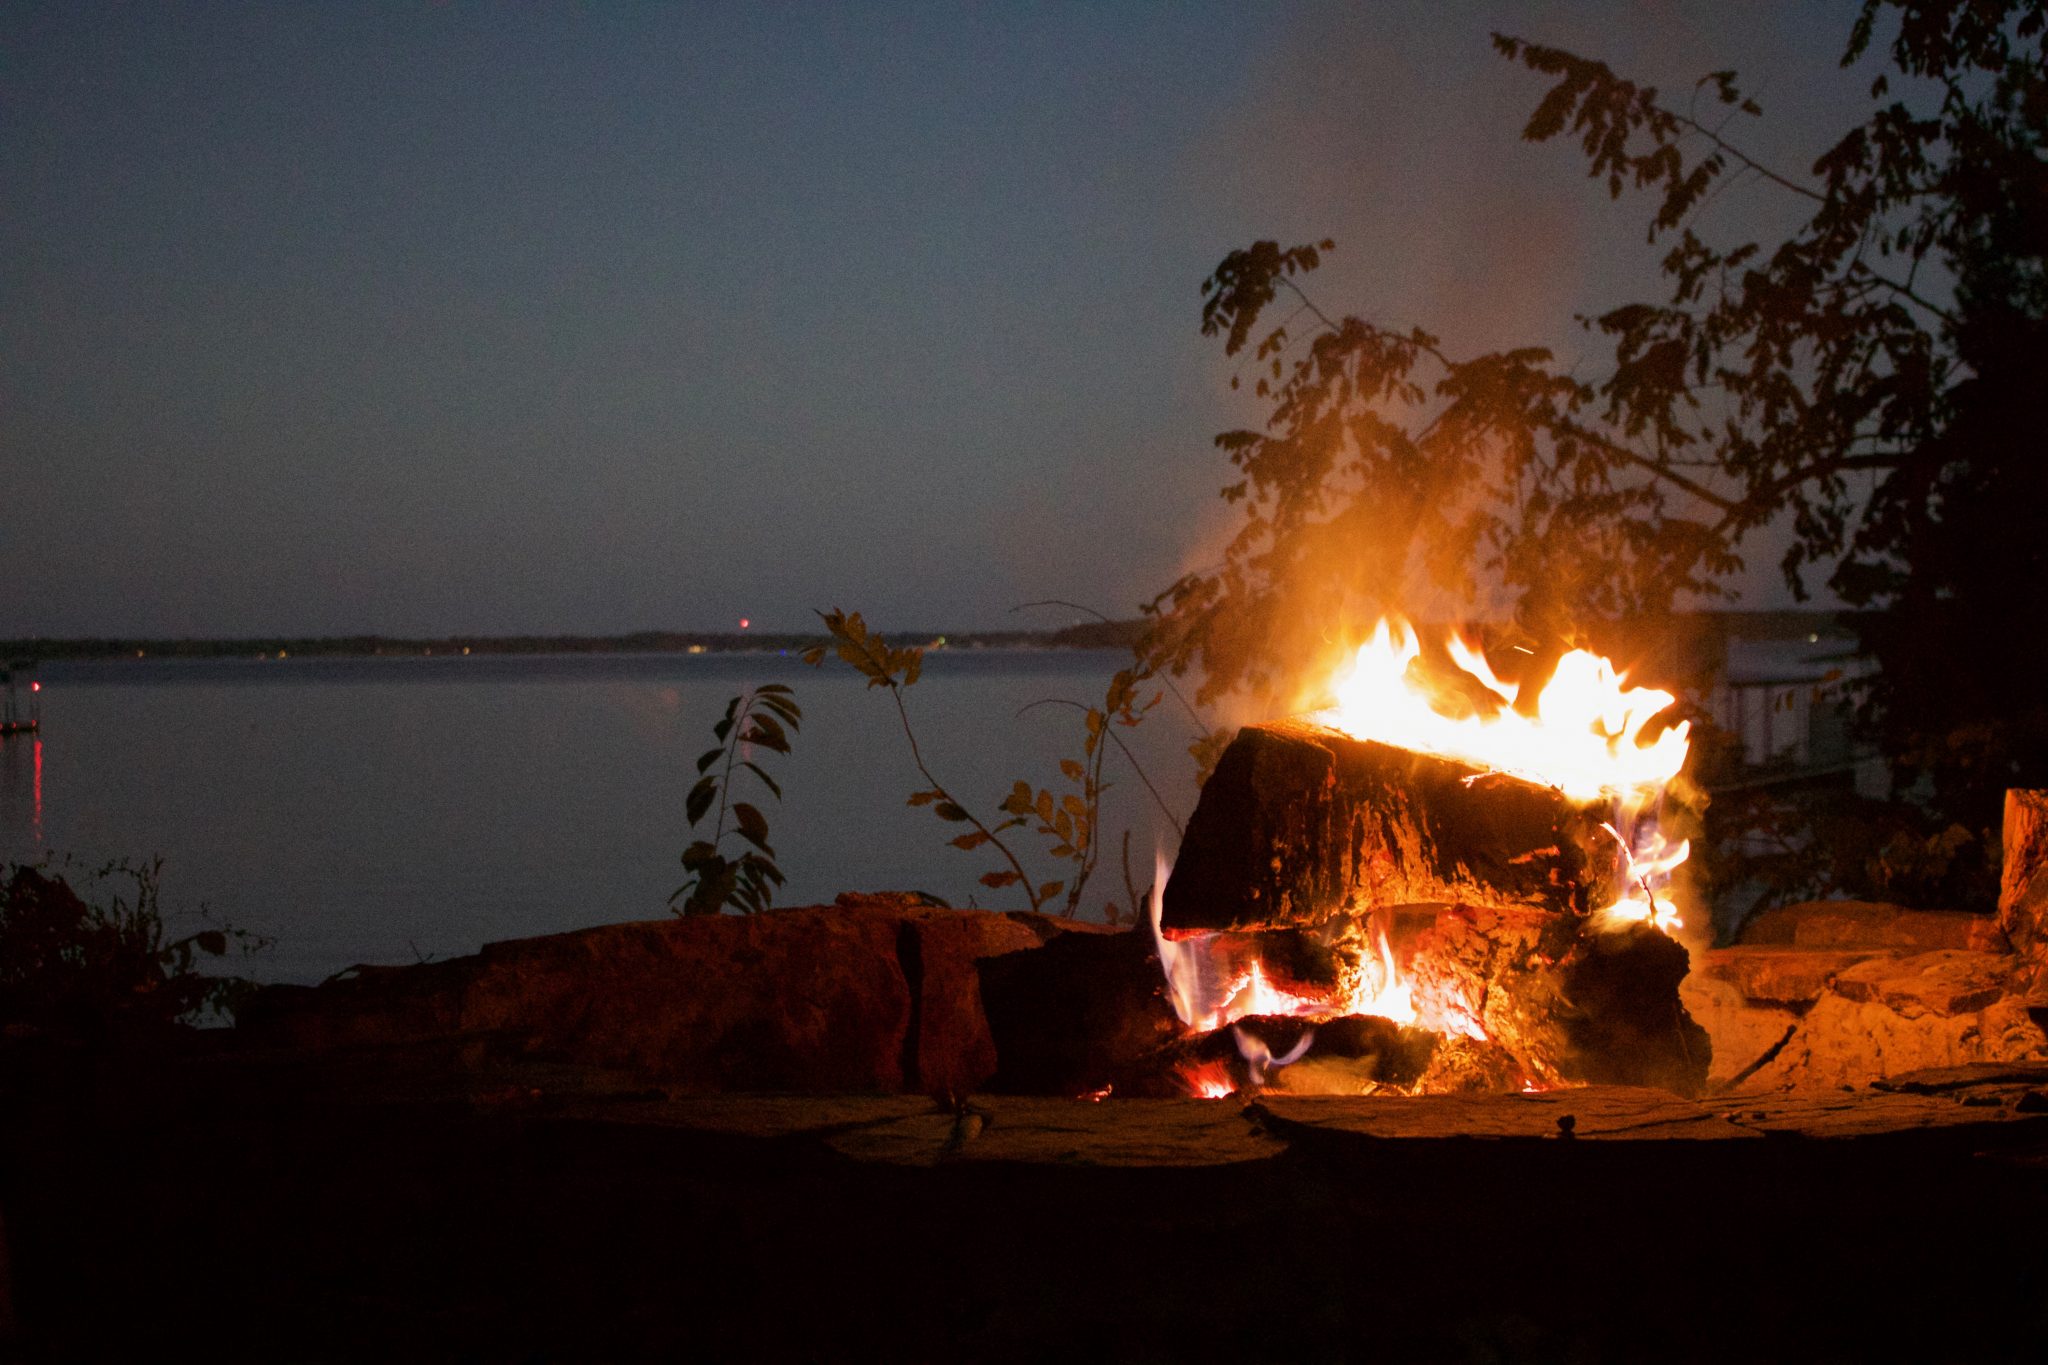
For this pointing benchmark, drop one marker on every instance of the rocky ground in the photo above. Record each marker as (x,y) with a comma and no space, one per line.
(560,1149)
(464,1200)
(1836,993)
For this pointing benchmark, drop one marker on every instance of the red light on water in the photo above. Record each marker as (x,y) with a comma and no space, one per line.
(744,623)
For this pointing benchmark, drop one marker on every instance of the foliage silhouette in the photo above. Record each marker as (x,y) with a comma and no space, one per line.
(102,966)
(1069,819)
(1868,382)
(763,718)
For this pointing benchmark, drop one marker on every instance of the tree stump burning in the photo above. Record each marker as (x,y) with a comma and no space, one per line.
(1349,914)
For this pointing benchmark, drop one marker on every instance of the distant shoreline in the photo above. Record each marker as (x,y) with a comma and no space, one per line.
(1756,625)
(1090,635)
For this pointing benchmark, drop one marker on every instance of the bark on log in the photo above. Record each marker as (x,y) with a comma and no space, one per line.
(1301,824)
(2023,884)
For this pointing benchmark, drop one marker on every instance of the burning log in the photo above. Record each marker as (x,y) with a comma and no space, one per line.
(1457,903)
(2023,886)
(1301,824)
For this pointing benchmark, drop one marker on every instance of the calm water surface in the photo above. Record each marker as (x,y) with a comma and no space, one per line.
(381,810)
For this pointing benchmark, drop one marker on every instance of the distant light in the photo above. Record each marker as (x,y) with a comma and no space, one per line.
(465,649)
(744,623)
(35,687)
(1813,638)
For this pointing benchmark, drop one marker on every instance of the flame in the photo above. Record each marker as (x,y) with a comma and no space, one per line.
(1208,1080)
(1260,1060)
(1649,870)
(1585,738)
(1209,990)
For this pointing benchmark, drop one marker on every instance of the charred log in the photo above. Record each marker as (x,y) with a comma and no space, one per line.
(1625,1024)
(1083,1012)
(1301,824)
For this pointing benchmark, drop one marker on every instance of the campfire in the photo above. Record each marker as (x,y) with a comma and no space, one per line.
(1438,883)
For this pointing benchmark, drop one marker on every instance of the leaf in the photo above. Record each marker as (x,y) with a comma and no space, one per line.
(814,656)
(767,732)
(723,728)
(1049,890)
(698,854)
(999,880)
(776,689)
(1044,807)
(709,757)
(1072,769)
(766,780)
(211,941)
(753,826)
(924,798)
(713,889)
(946,810)
(1063,823)
(1074,806)
(700,798)
(969,841)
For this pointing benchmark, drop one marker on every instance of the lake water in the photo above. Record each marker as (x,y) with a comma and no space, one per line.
(382,810)
(387,809)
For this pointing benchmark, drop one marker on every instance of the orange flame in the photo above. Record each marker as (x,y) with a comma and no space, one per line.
(1585,738)
(1208,1080)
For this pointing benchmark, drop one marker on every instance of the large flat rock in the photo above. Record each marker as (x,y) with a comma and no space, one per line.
(1780,973)
(1872,924)
(1945,983)
(874,993)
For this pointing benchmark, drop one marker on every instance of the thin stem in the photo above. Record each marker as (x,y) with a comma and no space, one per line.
(1905,290)
(732,748)
(1130,887)
(1164,681)
(1130,757)
(917,757)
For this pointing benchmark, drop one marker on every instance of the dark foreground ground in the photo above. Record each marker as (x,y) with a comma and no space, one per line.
(394,1203)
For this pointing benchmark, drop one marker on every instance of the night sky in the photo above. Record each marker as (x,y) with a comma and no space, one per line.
(423,318)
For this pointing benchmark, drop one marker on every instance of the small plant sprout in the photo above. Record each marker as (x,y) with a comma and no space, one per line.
(763,718)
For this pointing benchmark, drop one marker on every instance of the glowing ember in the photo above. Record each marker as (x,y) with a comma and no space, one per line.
(1210,990)
(1208,1081)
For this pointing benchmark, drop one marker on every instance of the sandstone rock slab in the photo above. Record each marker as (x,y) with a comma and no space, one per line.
(1872,924)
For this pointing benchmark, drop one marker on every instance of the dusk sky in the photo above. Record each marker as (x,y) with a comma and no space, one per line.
(433,318)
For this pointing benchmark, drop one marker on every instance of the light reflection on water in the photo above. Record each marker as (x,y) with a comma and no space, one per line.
(375,810)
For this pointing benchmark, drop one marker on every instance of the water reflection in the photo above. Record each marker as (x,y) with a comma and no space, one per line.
(21,786)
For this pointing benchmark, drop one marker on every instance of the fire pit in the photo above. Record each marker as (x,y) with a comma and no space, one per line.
(1436,885)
